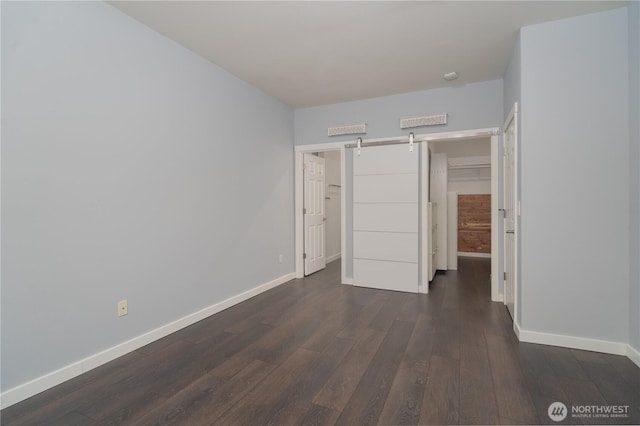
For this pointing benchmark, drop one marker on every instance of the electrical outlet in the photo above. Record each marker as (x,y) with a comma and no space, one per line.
(123,309)
(281,258)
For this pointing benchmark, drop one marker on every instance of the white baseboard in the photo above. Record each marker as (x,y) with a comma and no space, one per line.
(42,383)
(469,254)
(516,329)
(334,257)
(498,298)
(347,281)
(595,345)
(633,354)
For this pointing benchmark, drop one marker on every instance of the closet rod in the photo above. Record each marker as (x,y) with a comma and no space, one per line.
(470,166)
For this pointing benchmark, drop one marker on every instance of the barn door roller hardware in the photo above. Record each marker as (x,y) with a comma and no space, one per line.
(359,143)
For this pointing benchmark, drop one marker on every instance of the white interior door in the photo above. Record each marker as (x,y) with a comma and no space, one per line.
(510,206)
(386,218)
(314,214)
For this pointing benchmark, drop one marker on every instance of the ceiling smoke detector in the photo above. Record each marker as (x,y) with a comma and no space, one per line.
(450,76)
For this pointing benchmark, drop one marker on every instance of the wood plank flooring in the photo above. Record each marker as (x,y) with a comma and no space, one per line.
(315,352)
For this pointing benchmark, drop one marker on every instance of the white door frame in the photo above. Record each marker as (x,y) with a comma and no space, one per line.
(425,220)
(496,250)
(300,150)
(513,116)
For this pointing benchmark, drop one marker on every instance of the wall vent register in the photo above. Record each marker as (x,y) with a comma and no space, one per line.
(427,120)
(353,129)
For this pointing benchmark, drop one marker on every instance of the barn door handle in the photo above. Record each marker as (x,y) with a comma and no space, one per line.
(511,232)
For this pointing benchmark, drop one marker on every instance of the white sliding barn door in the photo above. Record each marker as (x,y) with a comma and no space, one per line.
(314,214)
(385,218)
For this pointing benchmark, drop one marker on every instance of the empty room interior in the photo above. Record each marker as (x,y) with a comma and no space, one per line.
(220,212)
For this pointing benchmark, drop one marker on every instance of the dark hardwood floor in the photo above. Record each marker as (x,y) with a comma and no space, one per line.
(313,351)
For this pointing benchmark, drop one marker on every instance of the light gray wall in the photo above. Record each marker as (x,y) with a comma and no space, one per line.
(634,168)
(471,106)
(575,157)
(511,78)
(512,94)
(129,171)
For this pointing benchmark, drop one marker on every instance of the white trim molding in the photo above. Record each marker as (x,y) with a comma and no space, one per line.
(334,257)
(516,327)
(424,219)
(573,342)
(321,147)
(42,383)
(633,354)
(497,249)
(594,345)
(298,216)
(343,212)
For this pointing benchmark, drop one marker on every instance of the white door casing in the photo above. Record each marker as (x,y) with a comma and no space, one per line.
(314,214)
(425,220)
(452,231)
(497,249)
(431,250)
(510,152)
(438,182)
(386,236)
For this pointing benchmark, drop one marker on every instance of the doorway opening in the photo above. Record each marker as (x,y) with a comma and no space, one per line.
(466,192)
(322,185)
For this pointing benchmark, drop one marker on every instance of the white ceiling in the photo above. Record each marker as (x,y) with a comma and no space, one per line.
(309,53)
